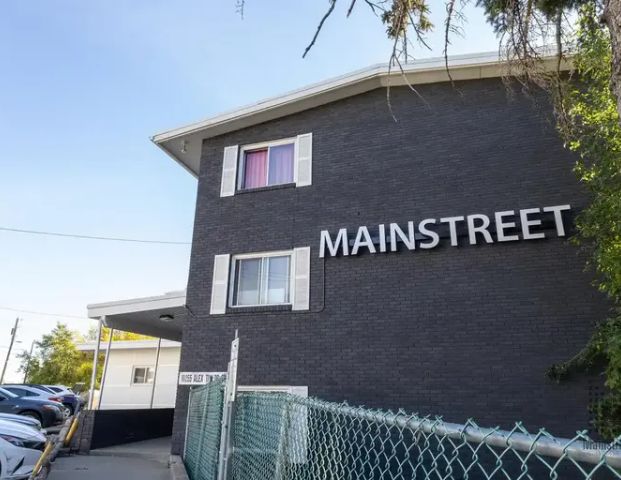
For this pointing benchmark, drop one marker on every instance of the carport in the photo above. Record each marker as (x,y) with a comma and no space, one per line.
(159,316)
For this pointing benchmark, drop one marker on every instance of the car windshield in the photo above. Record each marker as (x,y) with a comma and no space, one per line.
(6,393)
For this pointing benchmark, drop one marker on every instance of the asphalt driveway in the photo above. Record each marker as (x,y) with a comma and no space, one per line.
(137,461)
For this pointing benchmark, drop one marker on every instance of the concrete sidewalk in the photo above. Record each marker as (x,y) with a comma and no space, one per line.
(136,461)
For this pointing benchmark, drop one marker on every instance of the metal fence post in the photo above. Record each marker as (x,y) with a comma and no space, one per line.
(226,447)
(187,423)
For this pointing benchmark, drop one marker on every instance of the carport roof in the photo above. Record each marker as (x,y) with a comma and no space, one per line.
(144,315)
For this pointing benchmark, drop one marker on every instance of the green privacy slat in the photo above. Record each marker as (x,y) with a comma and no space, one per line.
(203,430)
(279,436)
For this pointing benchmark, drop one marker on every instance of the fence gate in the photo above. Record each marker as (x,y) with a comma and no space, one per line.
(202,441)
(207,450)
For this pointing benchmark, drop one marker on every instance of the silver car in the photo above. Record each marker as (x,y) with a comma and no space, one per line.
(21,435)
(28,421)
(16,463)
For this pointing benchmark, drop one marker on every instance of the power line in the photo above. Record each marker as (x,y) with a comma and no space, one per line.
(90,237)
(33,312)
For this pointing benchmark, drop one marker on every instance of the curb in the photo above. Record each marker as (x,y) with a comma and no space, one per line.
(177,468)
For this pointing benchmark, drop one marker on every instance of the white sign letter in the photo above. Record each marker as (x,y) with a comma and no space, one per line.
(396,230)
(558,218)
(526,224)
(382,237)
(482,229)
(452,221)
(433,236)
(359,242)
(333,248)
(500,226)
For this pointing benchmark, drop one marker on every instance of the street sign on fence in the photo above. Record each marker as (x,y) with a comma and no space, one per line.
(197,378)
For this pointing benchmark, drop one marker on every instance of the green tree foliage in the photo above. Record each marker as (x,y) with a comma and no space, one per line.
(56,359)
(117,336)
(589,122)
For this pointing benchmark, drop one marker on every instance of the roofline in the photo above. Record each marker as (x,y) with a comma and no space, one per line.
(127,345)
(432,70)
(167,300)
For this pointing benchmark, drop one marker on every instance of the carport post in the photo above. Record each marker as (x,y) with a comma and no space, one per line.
(105,370)
(157,362)
(91,395)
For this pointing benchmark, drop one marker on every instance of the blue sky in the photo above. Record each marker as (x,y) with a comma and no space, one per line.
(83,87)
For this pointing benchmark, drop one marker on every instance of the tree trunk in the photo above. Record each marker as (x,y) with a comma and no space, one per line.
(612,18)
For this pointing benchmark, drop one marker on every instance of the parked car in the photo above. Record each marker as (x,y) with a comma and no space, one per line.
(47,412)
(59,388)
(16,463)
(28,421)
(71,400)
(68,399)
(21,435)
(32,391)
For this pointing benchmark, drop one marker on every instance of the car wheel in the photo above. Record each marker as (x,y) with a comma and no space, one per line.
(32,414)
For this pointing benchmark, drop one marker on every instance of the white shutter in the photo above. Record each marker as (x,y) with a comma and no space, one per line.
(304,160)
(219,284)
(229,171)
(301,278)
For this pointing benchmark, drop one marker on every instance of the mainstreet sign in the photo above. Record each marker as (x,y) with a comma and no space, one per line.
(426,235)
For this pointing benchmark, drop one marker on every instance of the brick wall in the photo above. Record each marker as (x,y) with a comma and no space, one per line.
(461,332)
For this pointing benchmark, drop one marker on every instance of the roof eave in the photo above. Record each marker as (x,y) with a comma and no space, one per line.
(466,67)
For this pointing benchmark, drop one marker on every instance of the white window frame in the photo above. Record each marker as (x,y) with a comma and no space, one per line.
(148,368)
(260,255)
(241,161)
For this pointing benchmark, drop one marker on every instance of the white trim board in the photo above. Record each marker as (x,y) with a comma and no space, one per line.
(167,300)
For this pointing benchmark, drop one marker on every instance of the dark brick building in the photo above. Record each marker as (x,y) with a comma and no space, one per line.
(459,331)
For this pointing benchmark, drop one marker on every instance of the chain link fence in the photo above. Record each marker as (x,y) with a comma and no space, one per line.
(202,437)
(279,436)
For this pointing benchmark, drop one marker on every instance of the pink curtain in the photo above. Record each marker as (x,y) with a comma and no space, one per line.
(281,164)
(255,169)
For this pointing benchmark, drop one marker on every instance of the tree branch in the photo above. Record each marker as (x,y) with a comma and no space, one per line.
(319,27)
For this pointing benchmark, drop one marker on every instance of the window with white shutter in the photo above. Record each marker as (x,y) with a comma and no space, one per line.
(304,160)
(219,285)
(229,171)
(261,279)
(301,278)
(270,278)
(268,164)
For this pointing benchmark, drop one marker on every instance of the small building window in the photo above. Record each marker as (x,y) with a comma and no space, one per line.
(143,375)
(266,165)
(261,280)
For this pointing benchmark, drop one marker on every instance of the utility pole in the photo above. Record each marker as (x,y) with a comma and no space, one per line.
(8,354)
(29,360)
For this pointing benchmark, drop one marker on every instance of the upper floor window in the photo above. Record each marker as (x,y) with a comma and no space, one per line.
(266,165)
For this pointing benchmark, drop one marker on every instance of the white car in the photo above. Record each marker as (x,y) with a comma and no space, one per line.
(16,463)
